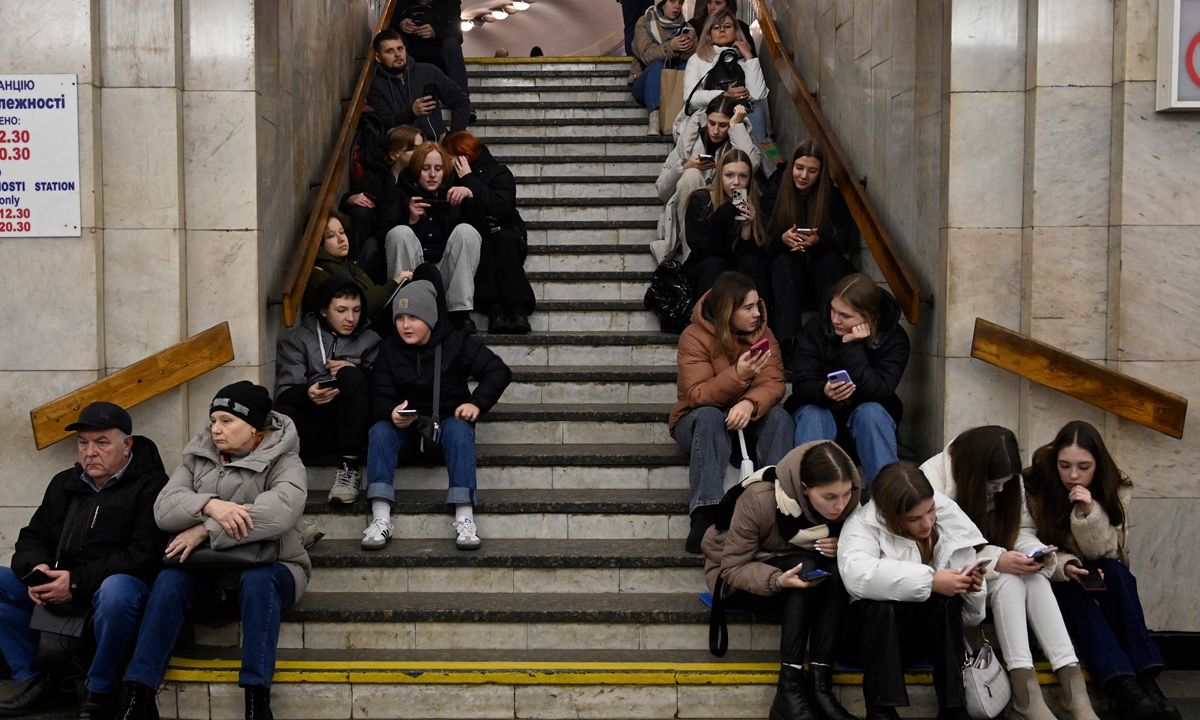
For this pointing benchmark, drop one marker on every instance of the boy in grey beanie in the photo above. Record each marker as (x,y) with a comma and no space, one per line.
(418,299)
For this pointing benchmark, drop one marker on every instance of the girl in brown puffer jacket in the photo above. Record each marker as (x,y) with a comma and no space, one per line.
(785,524)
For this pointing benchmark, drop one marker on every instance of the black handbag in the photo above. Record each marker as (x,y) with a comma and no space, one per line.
(725,72)
(238,557)
(669,297)
(65,639)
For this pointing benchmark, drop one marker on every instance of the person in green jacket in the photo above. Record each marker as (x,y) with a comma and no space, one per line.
(333,259)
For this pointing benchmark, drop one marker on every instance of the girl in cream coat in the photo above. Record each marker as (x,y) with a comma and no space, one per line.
(981,471)
(902,559)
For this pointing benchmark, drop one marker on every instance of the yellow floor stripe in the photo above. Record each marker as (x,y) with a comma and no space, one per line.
(513,673)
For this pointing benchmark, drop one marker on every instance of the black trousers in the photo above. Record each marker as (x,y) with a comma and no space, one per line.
(338,428)
(809,617)
(703,274)
(362,227)
(500,278)
(888,635)
(800,281)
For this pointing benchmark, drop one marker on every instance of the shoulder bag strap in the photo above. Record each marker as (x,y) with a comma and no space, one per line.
(437,380)
(718,630)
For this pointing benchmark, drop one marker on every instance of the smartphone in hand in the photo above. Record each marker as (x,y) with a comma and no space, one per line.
(430,91)
(760,347)
(36,577)
(972,569)
(840,376)
(327,384)
(1042,552)
(739,198)
(815,574)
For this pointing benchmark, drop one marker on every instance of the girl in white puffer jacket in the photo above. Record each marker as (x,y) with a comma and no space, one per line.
(981,471)
(908,562)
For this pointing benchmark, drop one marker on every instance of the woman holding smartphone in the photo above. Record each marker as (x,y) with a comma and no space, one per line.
(981,471)
(730,379)
(1080,502)
(784,525)
(846,367)
(661,38)
(704,9)
(723,226)
(809,235)
(725,64)
(908,561)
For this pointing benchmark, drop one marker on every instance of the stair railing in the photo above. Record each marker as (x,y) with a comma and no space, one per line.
(137,383)
(314,231)
(1082,379)
(899,279)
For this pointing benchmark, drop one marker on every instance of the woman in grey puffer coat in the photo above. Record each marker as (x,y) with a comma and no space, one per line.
(240,482)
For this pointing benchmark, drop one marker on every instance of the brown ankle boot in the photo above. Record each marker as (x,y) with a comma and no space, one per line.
(1076,705)
(1028,703)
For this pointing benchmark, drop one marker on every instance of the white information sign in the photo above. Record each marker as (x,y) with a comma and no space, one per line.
(39,156)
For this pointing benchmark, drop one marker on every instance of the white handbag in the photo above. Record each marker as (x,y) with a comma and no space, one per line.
(986,684)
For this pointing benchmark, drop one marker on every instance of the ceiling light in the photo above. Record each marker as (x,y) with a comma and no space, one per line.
(520,5)
(487,18)
(499,14)
(466,25)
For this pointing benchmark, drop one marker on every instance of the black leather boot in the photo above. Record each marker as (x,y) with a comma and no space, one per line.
(1130,701)
(790,703)
(139,703)
(881,712)
(98,706)
(461,320)
(497,322)
(1148,681)
(820,692)
(518,323)
(41,692)
(702,518)
(258,703)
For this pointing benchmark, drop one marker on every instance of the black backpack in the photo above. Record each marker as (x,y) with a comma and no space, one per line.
(725,71)
(669,297)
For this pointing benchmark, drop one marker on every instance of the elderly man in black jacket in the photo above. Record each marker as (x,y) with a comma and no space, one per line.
(95,540)
(398,91)
(418,382)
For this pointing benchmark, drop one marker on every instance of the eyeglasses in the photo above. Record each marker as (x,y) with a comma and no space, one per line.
(724,26)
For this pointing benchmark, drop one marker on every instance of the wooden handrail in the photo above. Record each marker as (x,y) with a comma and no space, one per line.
(310,242)
(1082,379)
(137,383)
(901,281)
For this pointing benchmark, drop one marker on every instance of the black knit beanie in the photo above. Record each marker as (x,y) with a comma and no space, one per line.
(244,400)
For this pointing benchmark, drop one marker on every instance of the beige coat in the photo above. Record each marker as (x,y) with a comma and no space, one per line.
(646,50)
(1094,537)
(271,479)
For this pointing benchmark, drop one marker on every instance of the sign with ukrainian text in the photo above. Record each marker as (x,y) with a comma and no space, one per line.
(39,156)
(1178,83)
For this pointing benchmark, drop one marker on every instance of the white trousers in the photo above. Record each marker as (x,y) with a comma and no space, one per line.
(457,266)
(1013,598)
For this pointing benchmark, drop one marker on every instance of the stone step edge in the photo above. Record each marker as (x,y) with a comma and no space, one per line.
(557,159)
(518,502)
(560,105)
(581,276)
(585,179)
(587,202)
(508,553)
(547,59)
(583,140)
(582,337)
(589,249)
(557,122)
(465,672)
(593,225)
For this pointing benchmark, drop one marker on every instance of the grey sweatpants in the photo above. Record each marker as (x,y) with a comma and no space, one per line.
(457,266)
(703,434)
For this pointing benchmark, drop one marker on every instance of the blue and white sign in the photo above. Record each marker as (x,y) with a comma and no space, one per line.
(39,156)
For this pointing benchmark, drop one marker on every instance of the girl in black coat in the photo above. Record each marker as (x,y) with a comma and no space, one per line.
(860,334)
(809,235)
(501,289)
(722,235)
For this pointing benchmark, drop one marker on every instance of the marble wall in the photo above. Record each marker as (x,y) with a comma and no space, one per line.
(204,128)
(1013,151)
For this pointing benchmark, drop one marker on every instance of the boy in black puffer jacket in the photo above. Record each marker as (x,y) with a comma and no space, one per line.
(410,419)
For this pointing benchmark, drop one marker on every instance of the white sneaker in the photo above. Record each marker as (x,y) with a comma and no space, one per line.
(376,535)
(652,125)
(468,535)
(345,487)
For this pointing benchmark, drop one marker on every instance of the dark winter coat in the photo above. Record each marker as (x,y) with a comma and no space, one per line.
(713,233)
(875,366)
(495,191)
(838,233)
(327,265)
(405,372)
(434,227)
(111,532)
(392,96)
(370,173)
(443,15)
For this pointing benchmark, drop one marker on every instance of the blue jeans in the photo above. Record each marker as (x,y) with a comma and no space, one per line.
(871,426)
(117,609)
(388,444)
(1108,627)
(263,593)
(702,433)
(647,88)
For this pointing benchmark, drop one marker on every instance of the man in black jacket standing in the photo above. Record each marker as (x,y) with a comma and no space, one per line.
(432,31)
(398,94)
(95,538)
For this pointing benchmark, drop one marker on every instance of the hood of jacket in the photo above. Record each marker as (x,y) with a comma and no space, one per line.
(955,532)
(889,318)
(281,440)
(790,498)
(703,319)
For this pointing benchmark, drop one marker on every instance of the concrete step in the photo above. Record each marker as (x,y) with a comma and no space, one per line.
(589,258)
(532,477)
(561,110)
(591,385)
(648,147)
(538,73)
(589,186)
(589,285)
(491,130)
(587,316)
(587,514)
(586,348)
(497,65)
(585,166)
(530,423)
(534,97)
(588,209)
(535,81)
(591,232)
(508,566)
